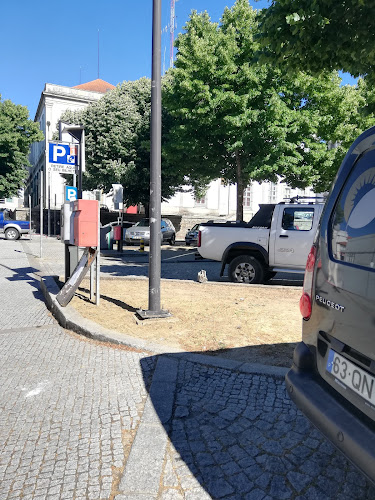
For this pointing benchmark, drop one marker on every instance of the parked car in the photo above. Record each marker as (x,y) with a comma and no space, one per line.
(141,231)
(191,237)
(13,229)
(332,379)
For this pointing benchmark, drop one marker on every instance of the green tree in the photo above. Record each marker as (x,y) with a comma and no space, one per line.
(17,133)
(241,121)
(117,131)
(314,35)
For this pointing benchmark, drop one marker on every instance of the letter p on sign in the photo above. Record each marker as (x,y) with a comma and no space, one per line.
(71,193)
(58,151)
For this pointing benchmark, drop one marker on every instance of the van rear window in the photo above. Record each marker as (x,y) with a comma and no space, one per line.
(353,221)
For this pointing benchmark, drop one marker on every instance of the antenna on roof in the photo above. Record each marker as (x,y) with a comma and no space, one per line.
(98,53)
(172,25)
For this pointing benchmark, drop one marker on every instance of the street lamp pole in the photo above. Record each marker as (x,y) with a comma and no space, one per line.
(154,310)
(155,173)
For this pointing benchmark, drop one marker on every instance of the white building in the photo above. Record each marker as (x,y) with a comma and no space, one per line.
(56,99)
(220,200)
(13,202)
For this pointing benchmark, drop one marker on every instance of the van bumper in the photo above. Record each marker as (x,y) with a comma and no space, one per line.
(343,425)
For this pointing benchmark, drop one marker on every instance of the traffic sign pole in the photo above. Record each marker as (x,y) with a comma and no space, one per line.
(82,155)
(41,212)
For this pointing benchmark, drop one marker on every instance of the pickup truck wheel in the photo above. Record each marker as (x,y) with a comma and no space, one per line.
(246,269)
(12,234)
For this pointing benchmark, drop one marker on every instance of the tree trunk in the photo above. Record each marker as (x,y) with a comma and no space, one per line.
(240,187)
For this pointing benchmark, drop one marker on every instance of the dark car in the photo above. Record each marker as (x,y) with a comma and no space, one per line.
(332,379)
(191,237)
(141,231)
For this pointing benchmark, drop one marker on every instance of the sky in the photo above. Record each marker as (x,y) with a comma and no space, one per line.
(57,42)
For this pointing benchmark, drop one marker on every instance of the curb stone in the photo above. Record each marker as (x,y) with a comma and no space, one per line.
(151,439)
(70,319)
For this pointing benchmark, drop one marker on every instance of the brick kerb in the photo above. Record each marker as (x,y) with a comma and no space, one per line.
(69,318)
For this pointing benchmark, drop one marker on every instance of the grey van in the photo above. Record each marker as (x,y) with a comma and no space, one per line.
(332,379)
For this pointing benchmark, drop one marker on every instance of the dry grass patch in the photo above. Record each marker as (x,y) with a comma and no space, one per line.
(205,317)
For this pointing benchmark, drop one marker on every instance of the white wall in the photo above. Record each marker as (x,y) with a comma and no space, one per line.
(220,200)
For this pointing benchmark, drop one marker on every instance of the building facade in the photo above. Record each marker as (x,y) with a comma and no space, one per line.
(220,200)
(54,100)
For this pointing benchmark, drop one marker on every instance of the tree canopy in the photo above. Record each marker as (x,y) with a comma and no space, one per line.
(314,35)
(17,133)
(117,131)
(241,121)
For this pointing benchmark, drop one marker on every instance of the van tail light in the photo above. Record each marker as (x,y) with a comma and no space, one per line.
(305,303)
(199,238)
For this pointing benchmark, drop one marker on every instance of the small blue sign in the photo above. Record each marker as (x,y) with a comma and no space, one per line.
(71,193)
(62,154)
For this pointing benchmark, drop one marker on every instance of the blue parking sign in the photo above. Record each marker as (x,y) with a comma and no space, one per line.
(71,193)
(62,154)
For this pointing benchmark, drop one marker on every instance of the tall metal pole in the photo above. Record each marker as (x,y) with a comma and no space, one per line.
(154,269)
(30,216)
(49,205)
(155,173)
(97,265)
(82,161)
(41,212)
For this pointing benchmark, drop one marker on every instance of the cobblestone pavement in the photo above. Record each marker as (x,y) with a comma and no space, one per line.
(84,420)
(236,435)
(69,408)
(242,437)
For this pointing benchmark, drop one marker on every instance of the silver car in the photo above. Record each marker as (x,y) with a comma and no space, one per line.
(141,231)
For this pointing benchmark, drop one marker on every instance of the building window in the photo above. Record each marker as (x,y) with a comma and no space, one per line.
(273,192)
(247,197)
(288,193)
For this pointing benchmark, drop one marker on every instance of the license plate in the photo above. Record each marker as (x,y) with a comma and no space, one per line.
(351,376)
(136,237)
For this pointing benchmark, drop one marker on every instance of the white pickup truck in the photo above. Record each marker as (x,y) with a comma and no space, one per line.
(277,239)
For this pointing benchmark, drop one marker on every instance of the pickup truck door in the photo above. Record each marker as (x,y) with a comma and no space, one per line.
(293,235)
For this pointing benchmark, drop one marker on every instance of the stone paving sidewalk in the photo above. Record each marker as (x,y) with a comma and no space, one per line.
(234,435)
(69,408)
(82,419)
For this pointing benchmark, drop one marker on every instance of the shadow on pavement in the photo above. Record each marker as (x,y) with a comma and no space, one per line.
(25,274)
(236,434)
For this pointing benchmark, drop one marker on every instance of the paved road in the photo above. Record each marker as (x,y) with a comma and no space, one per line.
(83,420)
(178,262)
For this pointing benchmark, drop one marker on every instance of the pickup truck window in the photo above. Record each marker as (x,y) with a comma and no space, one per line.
(353,222)
(297,219)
